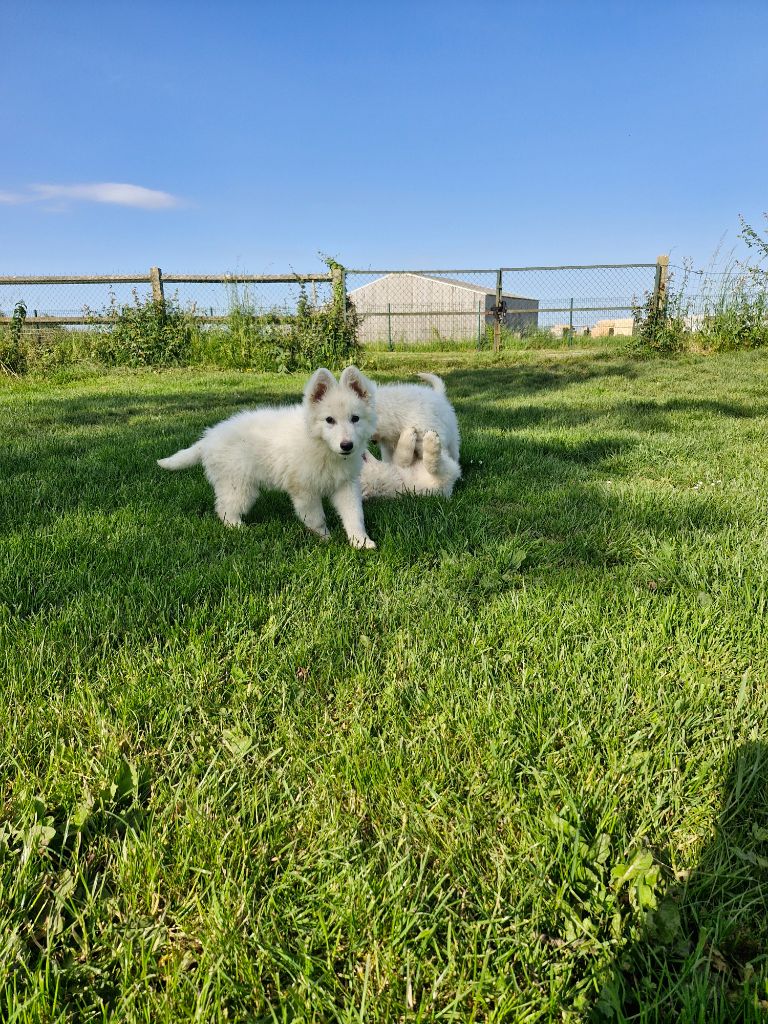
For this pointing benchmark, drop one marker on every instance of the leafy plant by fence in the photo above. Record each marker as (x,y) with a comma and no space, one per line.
(145,333)
(311,335)
(714,310)
(12,352)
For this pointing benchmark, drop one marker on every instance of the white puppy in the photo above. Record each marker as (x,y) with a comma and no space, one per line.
(435,473)
(401,406)
(312,451)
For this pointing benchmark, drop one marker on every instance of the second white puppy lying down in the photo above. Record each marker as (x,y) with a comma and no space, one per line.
(435,473)
(312,451)
(400,406)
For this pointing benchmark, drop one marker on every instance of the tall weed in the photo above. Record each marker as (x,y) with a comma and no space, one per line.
(13,356)
(144,333)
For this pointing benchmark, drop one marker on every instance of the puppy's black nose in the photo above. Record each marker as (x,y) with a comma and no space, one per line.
(347,446)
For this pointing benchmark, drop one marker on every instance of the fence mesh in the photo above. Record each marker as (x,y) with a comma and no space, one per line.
(218,299)
(88,300)
(599,300)
(53,299)
(399,306)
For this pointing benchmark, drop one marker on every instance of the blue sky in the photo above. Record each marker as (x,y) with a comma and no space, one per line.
(252,136)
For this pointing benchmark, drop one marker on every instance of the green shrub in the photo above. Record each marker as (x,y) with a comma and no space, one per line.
(319,336)
(661,328)
(248,339)
(145,333)
(316,334)
(737,314)
(13,355)
(738,319)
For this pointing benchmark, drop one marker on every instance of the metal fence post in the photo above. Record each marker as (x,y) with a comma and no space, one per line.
(497,324)
(479,324)
(156,278)
(570,324)
(389,324)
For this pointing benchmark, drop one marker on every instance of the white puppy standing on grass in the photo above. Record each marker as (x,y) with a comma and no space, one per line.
(311,451)
(400,407)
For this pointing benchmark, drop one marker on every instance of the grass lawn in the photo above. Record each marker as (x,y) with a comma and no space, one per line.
(511,766)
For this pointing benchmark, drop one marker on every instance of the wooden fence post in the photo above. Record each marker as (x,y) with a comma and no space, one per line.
(339,288)
(660,286)
(156,277)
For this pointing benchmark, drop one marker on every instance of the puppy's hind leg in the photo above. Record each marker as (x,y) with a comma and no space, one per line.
(405,452)
(231,511)
(432,451)
(444,470)
(233,502)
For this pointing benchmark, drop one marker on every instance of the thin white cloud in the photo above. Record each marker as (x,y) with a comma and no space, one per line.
(116,193)
(13,198)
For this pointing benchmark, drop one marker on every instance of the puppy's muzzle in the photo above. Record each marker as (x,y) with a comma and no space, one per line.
(347,446)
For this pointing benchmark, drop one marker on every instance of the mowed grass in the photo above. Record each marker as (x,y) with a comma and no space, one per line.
(511,766)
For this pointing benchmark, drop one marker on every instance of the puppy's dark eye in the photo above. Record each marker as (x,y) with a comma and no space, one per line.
(330,419)
(354,418)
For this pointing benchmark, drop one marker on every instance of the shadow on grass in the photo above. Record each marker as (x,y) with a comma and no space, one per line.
(475,390)
(97,453)
(704,956)
(65,435)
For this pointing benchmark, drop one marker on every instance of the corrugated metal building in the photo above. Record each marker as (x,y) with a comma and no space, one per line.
(419,307)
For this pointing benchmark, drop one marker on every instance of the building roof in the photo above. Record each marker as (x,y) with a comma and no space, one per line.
(455,282)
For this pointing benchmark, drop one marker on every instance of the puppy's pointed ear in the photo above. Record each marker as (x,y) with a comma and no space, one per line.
(356,381)
(318,384)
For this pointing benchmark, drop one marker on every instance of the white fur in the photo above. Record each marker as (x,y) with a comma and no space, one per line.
(294,449)
(435,473)
(402,406)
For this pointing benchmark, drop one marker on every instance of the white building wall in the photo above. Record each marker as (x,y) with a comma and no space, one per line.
(418,308)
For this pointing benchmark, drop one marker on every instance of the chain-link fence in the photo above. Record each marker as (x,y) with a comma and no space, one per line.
(398,306)
(408,307)
(73,300)
(394,306)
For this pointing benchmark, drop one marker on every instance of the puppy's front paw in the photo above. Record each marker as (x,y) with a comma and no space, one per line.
(362,542)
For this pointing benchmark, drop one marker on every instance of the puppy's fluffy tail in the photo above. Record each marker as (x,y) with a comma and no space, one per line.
(434,380)
(182,459)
